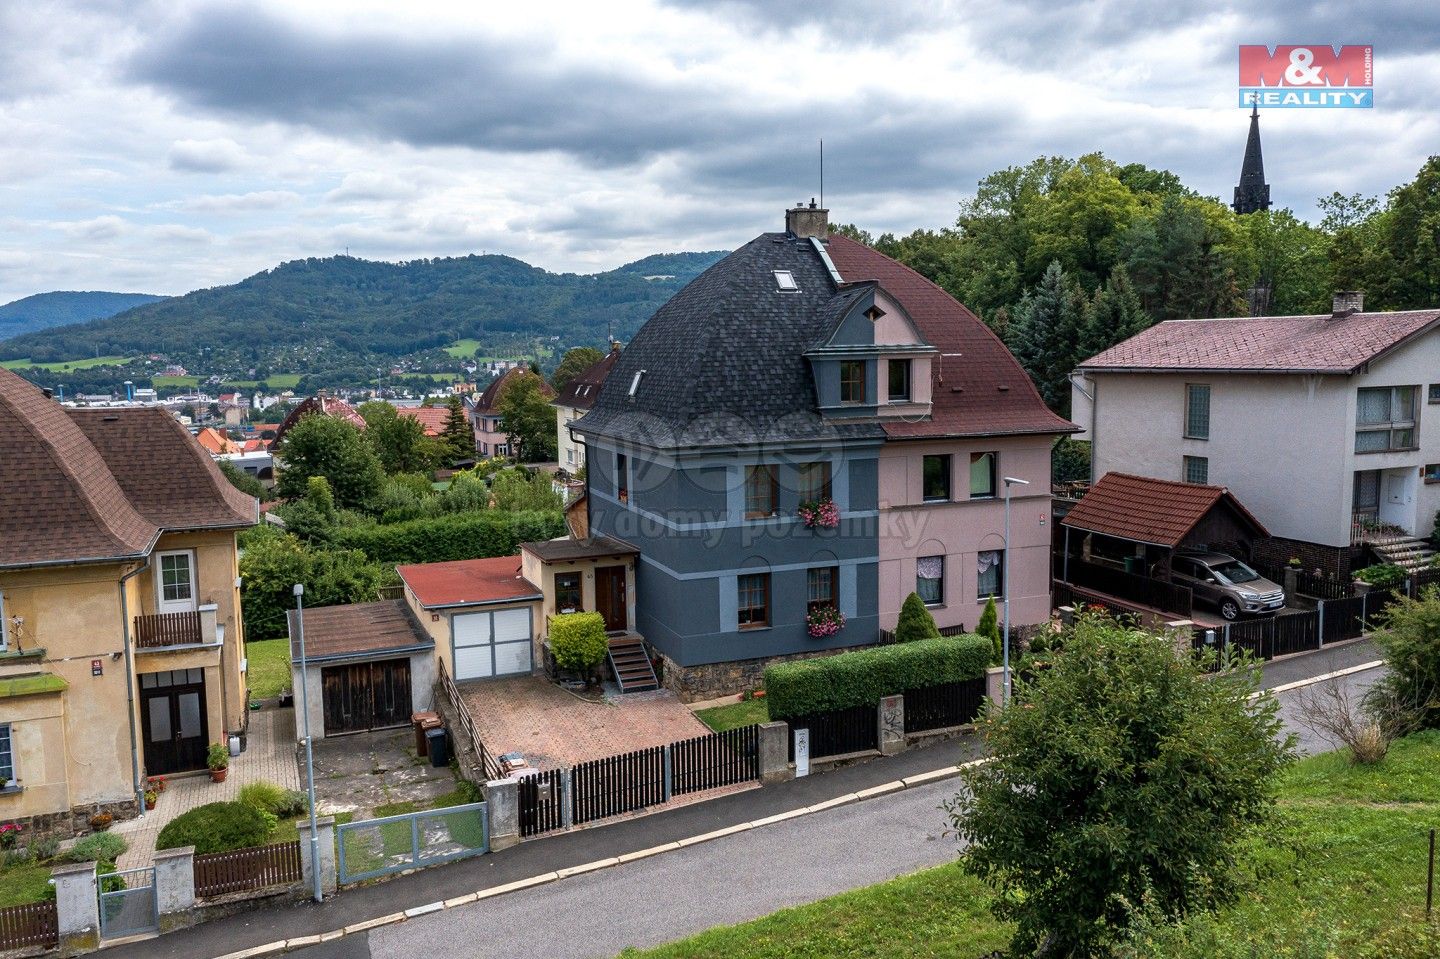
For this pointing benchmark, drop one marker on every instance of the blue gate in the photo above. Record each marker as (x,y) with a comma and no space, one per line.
(127,902)
(378,847)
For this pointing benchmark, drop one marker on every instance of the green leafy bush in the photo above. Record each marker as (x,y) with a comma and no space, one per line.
(271,566)
(275,800)
(217,827)
(915,621)
(989,627)
(863,677)
(451,537)
(1382,575)
(1410,640)
(98,847)
(578,640)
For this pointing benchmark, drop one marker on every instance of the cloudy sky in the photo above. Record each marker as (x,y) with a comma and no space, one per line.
(159,147)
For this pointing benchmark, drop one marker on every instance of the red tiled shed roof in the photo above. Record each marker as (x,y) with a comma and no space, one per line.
(432,418)
(1268,344)
(468,582)
(1149,510)
(979,388)
(357,629)
(326,405)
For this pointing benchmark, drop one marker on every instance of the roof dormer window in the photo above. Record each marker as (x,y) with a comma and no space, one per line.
(785,281)
(635,383)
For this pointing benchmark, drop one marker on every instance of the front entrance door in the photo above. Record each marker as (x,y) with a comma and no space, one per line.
(364,696)
(610,597)
(172,712)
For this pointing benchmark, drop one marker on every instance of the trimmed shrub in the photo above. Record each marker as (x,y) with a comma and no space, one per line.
(915,621)
(217,827)
(862,678)
(1382,575)
(275,800)
(98,847)
(578,640)
(989,627)
(451,537)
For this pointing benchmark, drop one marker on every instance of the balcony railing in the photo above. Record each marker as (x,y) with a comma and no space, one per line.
(168,629)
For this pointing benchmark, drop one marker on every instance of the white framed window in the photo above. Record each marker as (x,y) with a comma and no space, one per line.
(1385,419)
(7,756)
(990,574)
(175,581)
(785,281)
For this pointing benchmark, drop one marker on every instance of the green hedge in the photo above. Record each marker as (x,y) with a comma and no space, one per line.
(578,640)
(861,678)
(450,537)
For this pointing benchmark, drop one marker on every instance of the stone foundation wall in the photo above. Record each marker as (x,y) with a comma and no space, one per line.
(76,821)
(694,683)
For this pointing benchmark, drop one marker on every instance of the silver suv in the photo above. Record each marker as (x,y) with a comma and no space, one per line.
(1229,584)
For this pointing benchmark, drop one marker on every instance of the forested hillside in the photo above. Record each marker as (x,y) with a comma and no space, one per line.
(44,310)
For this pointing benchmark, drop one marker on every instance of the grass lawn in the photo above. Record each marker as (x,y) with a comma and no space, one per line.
(25,882)
(161,382)
(463,349)
(66,366)
(269,667)
(283,381)
(721,718)
(1346,859)
(287,830)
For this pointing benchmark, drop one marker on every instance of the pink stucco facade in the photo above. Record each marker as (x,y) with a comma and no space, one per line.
(963,527)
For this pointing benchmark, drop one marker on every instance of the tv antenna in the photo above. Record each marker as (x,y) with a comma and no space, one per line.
(822,173)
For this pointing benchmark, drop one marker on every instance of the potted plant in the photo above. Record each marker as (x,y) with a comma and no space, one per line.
(819,513)
(155,783)
(824,621)
(101,821)
(150,797)
(218,759)
(1294,562)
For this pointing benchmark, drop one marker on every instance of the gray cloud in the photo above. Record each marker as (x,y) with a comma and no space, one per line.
(221,155)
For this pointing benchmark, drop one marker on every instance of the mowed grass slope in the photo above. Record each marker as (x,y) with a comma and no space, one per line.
(1345,860)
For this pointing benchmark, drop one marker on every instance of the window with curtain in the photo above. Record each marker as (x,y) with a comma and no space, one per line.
(754,600)
(567,592)
(1197,411)
(7,756)
(930,579)
(1197,469)
(936,479)
(982,475)
(1385,419)
(760,491)
(814,481)
(990,566)
(822,588)
(852,381)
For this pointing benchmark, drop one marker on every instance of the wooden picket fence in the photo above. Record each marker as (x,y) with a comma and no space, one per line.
(29,925)
(243,870)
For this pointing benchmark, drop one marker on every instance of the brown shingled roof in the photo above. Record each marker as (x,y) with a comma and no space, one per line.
(333,632)
(59,502)
(980,389)
(581,392)
(319,403)
(165,473)
(1269,344)
(486,401)
(1148,510)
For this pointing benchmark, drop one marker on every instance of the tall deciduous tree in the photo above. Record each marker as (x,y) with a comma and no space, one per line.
(1121,777)
(335,449)
(528,419)
(399,441)
(575,362)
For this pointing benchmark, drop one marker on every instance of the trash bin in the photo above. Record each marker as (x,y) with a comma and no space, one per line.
(1135,565)
(439,747)
(423,721)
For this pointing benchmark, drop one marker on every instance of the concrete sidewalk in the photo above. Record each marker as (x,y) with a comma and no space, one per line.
(588,845)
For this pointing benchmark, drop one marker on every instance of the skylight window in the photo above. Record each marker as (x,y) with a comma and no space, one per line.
(635,383)
(785,280)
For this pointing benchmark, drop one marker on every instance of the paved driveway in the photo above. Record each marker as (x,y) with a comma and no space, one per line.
(552,727)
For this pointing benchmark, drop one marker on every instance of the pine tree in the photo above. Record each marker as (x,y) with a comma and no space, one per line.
(1044,335)
(990,628)
(459,440)
(1112,315)
(915,621)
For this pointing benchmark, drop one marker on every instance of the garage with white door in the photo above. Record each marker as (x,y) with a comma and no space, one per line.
(492,643)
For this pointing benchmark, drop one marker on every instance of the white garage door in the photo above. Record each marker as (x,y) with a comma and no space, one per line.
(492,644)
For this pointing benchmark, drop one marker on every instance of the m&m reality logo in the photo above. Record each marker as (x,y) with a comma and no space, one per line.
(1315,75)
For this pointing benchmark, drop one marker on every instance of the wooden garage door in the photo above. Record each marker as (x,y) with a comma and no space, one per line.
(361,696)
(492,644)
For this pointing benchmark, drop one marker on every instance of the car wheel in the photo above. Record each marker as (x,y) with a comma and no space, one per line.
(1229,609)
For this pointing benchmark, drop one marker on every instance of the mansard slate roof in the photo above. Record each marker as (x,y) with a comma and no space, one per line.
(100,486)
(724,362)
(1268,344)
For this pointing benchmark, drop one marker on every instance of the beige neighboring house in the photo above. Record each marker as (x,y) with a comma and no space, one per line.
(121,642)
(1327,427)
(574,402)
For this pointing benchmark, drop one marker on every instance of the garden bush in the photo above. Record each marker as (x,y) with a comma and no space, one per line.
(271,566)
(451,537)
(915,621)
(1382,575)
(578,640)
(270,798)
(217,827)
(863,677)
(98,847)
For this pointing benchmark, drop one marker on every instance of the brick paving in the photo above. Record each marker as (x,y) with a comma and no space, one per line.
(269,756)
(552,727)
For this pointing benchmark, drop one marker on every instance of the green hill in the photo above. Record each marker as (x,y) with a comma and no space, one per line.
(342,317)
(45,310)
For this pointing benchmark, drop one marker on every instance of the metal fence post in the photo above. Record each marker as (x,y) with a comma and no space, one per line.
(415,841)
(669,769)
(1320,612)
(567,810)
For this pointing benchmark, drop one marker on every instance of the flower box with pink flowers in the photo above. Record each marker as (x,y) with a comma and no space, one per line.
(819,513)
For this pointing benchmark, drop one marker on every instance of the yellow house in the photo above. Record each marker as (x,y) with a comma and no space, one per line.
(121,642)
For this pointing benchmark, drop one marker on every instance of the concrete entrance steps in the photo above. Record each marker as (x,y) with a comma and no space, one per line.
(1408,551)
(631,665)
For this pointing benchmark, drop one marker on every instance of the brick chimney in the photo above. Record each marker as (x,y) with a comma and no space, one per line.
(804,221)
(1347,303)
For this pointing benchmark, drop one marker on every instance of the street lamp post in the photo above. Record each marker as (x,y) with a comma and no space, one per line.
(309,755)
(1005,585)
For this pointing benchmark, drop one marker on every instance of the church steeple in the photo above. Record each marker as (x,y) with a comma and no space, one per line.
(1253,193)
